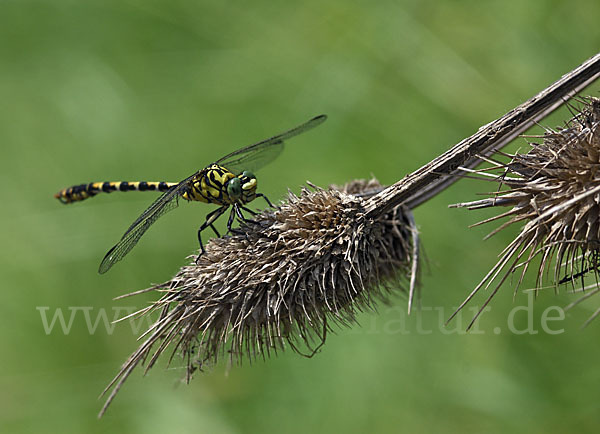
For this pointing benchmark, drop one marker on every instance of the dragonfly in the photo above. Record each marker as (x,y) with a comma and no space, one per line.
(228,182)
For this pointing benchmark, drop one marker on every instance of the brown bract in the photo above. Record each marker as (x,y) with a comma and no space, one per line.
(282,279)
(554,192)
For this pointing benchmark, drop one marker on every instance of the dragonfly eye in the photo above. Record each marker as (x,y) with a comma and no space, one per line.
(248,174)
(234,188)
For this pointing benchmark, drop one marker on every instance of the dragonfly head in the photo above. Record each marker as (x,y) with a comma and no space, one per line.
(242,188)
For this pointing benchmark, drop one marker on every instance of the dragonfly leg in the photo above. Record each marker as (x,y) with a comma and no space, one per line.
(265,198)
(215,230)
(231,217)
(236,212)
(248,210)
(210,219)
(239,214)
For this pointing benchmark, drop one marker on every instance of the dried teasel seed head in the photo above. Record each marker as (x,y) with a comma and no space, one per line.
(282,279)
(554,192)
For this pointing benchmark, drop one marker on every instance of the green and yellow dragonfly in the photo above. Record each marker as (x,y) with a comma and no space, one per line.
(228,182)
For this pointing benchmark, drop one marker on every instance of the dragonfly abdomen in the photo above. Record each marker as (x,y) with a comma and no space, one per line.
(81,192)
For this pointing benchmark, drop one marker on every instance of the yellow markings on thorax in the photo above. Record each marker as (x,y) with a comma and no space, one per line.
(210,185)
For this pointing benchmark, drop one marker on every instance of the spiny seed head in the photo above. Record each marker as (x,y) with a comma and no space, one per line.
(283,279)
(554,191)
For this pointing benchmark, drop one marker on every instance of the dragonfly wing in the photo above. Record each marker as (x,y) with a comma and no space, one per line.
(254,160)
(255,156)
(159,207)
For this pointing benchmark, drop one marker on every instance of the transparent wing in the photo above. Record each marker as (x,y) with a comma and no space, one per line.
(165,203)
(255,156)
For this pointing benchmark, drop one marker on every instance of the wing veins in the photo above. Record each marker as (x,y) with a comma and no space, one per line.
(261,149)
(166,202)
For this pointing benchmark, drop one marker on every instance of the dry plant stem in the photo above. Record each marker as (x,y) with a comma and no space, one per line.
(438,174)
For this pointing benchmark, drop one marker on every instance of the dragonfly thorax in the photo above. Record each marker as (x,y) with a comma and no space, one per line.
(216,184)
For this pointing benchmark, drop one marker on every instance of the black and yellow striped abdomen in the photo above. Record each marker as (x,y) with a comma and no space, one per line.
(81,192)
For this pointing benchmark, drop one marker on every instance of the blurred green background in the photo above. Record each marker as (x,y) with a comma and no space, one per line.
(154,90)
